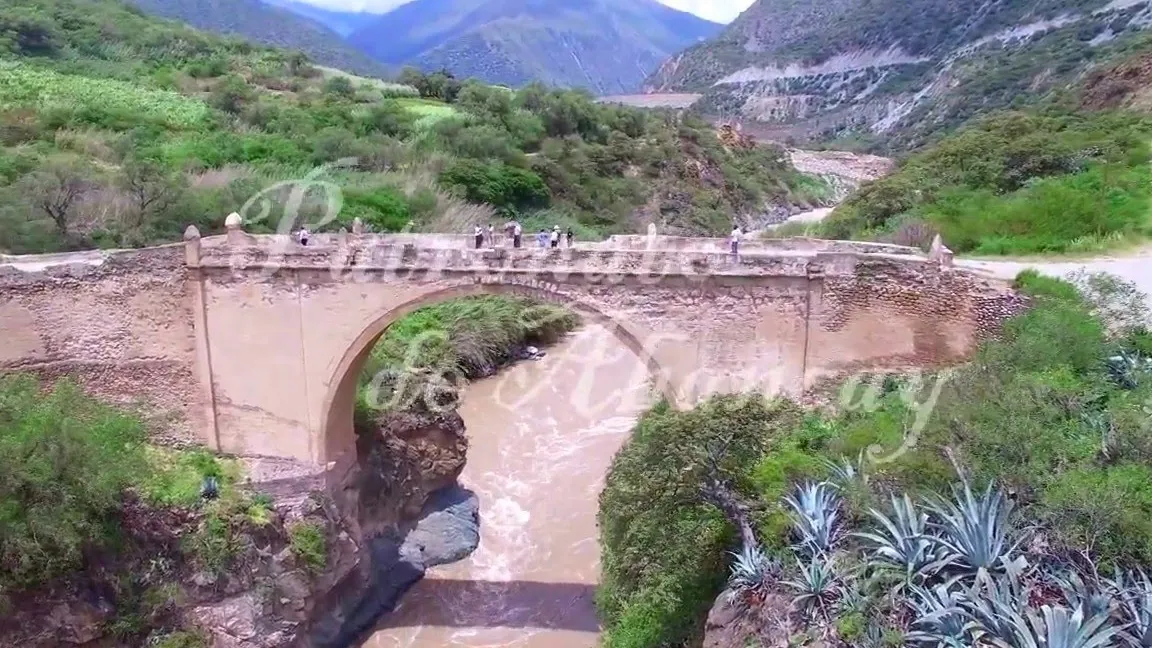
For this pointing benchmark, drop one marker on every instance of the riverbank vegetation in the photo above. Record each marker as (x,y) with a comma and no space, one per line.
(1049,181)
(119,129)
(1053,417)
(427,357)
(86,502)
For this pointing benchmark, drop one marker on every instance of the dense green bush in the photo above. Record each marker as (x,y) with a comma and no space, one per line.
(505,187)
(65,460)
(1057,410)
(438,346)
(1014,183)
(662,545)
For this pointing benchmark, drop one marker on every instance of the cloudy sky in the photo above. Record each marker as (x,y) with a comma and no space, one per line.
(718,10)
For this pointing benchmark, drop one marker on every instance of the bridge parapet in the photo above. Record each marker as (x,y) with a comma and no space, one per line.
(341,255)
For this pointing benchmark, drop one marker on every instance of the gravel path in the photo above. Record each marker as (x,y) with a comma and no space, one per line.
(1135,266)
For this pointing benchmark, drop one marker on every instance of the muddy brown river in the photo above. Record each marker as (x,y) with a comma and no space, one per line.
(543,434)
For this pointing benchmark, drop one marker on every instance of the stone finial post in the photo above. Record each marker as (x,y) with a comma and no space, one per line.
(651,235)
(940,254)
(357,226)
(235,230)
(192,247)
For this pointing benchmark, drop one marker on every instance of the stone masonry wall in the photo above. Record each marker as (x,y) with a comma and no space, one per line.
(255,343)
(119,323)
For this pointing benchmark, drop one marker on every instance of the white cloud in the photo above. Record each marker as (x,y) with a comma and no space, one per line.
(717,10)
(724,11)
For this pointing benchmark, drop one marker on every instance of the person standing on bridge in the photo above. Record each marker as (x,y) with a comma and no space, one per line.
(737,234)
(555,236)
(303,236)
(479,234)
(542,238)
(517,234)
(568,237)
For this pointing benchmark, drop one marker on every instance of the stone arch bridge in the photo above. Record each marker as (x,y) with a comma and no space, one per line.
(253,344)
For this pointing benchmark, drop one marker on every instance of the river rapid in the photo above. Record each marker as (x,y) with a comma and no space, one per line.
(543,434)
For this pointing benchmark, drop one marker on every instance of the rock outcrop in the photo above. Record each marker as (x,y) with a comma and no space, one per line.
(734,624)
(398,512)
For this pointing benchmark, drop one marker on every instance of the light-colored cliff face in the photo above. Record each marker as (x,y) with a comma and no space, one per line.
(901,70)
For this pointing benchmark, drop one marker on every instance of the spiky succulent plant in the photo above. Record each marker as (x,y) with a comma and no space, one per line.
(753,573)
(941,619)
(902,541)
(973,534)
(995,602)
(1133,590)
(817,586)
(847,472)
(1129,369)
(1059,627)
(1081,594)
(816,517)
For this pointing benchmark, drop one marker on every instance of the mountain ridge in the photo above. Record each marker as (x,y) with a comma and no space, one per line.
(899,72)
(268,25)
(341,22)
(607,47)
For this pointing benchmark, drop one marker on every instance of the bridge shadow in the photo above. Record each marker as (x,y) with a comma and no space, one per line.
(449,603)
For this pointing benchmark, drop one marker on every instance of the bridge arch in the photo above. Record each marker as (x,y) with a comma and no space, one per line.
(338,436)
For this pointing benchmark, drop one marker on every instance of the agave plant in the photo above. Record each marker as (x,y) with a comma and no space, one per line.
(1059,627)
(1134,592)
(846,472)
(1082,595)
(903,541)
(995,603)
(752,574)
(817,586)
(973,532)
(817,517)
(1129,369)
(941,619)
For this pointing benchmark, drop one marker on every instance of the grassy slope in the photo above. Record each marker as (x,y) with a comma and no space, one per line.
(269,25)
(452,342)
(1036,411)
(170,127)
(1054,181)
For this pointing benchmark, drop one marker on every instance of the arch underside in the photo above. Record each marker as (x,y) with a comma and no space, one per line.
(338,436)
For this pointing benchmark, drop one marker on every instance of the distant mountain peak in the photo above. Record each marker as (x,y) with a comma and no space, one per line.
(268,24)
(607,46)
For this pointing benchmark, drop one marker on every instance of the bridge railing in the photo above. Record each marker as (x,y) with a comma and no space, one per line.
(346,254)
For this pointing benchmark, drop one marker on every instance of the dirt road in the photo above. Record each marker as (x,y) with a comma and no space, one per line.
(1135,266)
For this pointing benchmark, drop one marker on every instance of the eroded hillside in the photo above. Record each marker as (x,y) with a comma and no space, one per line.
(903,72)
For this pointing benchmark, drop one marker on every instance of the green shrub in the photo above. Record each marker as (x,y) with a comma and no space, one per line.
(309,544)
(382,209)
(183,639)
(1107,510)
(507,188)
(662,546)
(65,461)
(462,338)
(1016,183)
